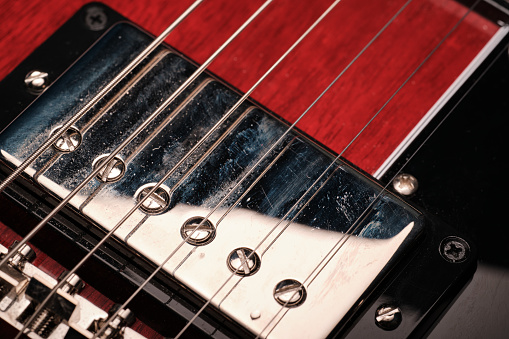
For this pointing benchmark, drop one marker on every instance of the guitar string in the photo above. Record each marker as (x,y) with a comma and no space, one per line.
(107,106)
(140,128)
(146,122)
(119,77)
(265,155)
(321,176)
(339,244)
(64,202)
(407,161)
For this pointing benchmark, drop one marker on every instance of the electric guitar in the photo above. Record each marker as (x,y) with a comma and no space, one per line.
(417,87)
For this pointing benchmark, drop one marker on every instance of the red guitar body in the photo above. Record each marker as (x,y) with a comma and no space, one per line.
(344,110)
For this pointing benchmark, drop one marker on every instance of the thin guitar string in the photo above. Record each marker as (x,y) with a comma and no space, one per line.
(146,122)
(339,244)
(149,194)
(266,154)
(64,202)
(135,62)
(407,161)
(238,103)
(119,77)
(328,168)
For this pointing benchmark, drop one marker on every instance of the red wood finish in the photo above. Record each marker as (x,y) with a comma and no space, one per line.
(350,103)
(296,83)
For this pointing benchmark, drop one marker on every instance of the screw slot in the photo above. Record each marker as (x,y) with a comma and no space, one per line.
(454,249)
(36,81)
(243,261)
(405,184)
(290,293)
(112,171)
(157,202)
(69,141)
(198,231)
(96,19)
(388,317)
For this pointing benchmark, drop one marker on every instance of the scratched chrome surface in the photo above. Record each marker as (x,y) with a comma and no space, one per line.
(311,245)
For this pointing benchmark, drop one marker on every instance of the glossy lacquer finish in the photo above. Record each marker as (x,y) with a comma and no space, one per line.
(361,91)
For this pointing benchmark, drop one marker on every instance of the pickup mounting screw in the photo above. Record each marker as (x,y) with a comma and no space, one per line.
(388,317)
(36,81)
(96,19)
(405,184)
(454,249)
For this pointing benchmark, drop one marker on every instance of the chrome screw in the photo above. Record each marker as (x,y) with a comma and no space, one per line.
(243,261)
(454,249)
(290,293)
(110,172)
(198,231)
(69,141)
(157,202)
(96,19)
(405,184)
(36,81)
(388,317)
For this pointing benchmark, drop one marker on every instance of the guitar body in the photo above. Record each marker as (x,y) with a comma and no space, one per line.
(366,86)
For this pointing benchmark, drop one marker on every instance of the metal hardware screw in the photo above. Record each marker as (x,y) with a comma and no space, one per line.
(405,184)
(96,19)
(23,255)
(243,261)
(198,231)
(290,293)
(157,202)
(454,249)
(388,317)
(112,171)
(69,141)
(36,81)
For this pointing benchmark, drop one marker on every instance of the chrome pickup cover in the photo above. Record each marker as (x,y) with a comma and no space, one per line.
(328,242)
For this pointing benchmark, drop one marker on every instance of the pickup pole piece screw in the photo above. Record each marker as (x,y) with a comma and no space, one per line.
(388,317)
(454,249)
(36,81)
(405,184)
(243,261)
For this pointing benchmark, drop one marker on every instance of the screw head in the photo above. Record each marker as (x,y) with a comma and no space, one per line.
(388,317)
(243,261)
(69,141)
(454,249)
(157,202)
(405,184)
(198,231)
(112,171)
(95,18)
(36,81)
(290,293)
